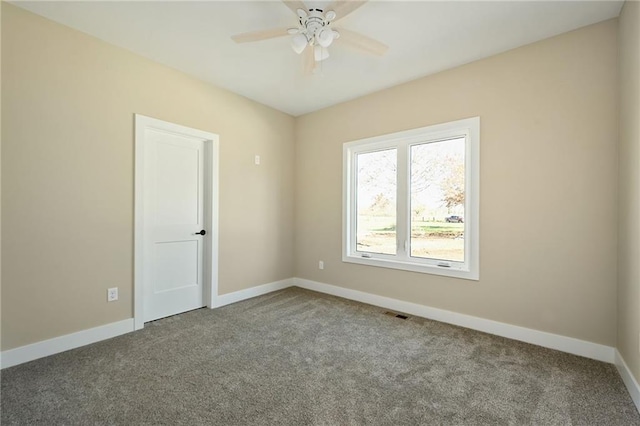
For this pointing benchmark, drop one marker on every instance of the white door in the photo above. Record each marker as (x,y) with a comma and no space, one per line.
(174,219)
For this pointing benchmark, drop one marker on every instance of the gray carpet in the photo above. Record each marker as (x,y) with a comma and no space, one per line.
(297,357)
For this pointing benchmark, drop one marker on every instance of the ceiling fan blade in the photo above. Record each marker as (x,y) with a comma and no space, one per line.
(344,7)
(361,42)
(309,63)
(260,35)
(294,5)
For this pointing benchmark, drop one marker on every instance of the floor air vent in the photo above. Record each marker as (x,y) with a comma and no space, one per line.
(397,315)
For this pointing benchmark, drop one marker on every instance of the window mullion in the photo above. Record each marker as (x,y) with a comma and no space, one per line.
(353,206)
(402,203)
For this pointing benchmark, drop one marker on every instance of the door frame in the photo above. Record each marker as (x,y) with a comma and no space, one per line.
(211,207)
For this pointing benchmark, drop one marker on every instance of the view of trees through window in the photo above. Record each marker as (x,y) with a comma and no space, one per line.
(436,200)
(376,201)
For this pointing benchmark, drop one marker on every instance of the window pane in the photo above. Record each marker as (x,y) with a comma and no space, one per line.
(437,200)
(376,202)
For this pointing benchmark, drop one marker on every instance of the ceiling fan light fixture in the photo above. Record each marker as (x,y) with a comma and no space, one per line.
(292,31)
(299,42)
(320,53)
(325,37)
(330,15)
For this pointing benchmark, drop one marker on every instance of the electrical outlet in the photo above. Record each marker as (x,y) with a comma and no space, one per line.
(321,265)
(257,160)
(112,294)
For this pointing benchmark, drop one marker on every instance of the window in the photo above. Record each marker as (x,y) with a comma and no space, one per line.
(411,200)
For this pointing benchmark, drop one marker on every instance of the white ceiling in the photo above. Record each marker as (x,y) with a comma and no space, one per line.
(424,37)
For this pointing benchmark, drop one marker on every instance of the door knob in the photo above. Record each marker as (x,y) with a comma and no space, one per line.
(203,232)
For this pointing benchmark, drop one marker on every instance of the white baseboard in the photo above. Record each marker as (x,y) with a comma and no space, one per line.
(56,345)
(553,341)
(629,381)
(248,293)
(528,335)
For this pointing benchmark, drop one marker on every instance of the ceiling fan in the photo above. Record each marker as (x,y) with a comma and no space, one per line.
(315,32)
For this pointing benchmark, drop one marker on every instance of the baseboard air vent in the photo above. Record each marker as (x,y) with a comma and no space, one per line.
(397,315)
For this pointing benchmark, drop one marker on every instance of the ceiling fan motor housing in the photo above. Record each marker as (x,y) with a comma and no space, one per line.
(314,26)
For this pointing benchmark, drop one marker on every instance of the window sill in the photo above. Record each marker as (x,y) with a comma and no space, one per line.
(467,274)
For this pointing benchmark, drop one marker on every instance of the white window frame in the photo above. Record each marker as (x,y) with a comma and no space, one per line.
(402,141)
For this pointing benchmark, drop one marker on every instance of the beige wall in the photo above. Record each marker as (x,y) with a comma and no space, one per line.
(68,108)
(629,189)
(548,179)
(548,202)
